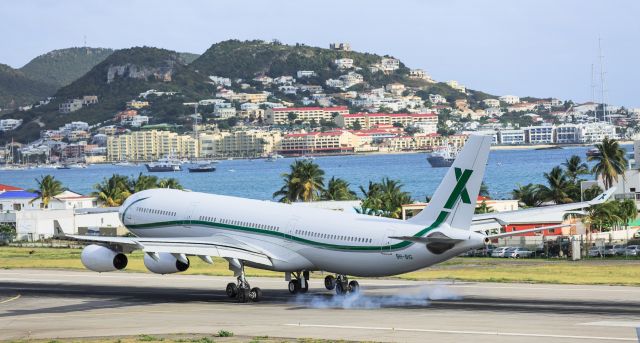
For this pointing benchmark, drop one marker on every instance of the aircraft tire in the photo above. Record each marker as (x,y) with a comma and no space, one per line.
(330,282)
(255,294)
(294,287)
(354,286)
(339,289)
(232,290)
(243,295)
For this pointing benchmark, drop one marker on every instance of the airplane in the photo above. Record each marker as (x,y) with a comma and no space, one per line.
(172,225)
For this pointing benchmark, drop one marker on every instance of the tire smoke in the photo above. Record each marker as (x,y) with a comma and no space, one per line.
(419,296)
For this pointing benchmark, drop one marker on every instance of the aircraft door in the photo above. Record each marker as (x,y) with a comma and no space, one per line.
(386,242)
(190,214)
(290,230)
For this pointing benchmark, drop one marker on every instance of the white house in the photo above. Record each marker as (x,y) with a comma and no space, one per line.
(511,137)
(344,63)
(510,99)
(10,124)
(539,134)
(305,73)
(437,99)
(491,102)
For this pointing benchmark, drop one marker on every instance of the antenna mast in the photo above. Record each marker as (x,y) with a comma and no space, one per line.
(602,89)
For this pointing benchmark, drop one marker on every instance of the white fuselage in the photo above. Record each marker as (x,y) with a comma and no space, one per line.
(294,237)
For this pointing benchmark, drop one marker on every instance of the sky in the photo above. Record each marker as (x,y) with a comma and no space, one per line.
(542,48)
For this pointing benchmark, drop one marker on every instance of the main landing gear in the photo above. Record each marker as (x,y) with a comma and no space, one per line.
(241,290)
(300,284)
(341,284)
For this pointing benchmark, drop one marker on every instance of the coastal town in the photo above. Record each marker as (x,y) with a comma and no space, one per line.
(303,114)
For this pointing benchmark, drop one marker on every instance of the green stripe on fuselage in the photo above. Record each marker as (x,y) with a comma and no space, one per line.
(403,244)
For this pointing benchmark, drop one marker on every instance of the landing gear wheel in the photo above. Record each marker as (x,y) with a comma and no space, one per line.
(330,282)
(243,295)
(294,286)
(232,290)
(255,294)
(354,286)
(339,289)
(305,288)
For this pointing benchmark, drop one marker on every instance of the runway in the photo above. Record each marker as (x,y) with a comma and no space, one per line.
(60,303)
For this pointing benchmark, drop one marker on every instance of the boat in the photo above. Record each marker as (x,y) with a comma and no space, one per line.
(442,157)
(273,158)
(551,147)
(64,166)
(165,164)
(124,164)
(593,152)
(202,168)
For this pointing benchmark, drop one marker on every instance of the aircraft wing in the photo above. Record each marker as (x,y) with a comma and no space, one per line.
(493,220)
(219,245)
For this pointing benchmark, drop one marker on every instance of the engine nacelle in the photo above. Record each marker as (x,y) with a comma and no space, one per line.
(166,264)
(102,259)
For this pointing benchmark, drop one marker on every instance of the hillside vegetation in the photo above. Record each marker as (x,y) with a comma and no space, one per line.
(16,89)
(61,67)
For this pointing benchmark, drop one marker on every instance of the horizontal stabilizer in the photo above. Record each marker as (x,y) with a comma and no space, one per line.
(427,240)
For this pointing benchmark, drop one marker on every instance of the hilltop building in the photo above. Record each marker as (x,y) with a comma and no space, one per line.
(340,46)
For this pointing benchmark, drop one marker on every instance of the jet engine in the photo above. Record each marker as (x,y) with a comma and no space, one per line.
(102,259)
(166,263)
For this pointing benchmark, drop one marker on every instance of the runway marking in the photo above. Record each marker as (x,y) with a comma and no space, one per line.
(613,323)
(464,332)
(10,299)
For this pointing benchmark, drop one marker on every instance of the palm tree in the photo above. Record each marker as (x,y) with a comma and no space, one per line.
(305,182)
(591,192)
(483,208)
(338,189)
(560,187)
(575,167)
(385,198)
(529,195)
(170,183)
(48,187)
(113,191)
(610,162)
(142,182)
(627,211)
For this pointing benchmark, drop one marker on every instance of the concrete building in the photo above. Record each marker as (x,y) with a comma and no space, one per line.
(370,120)
(150,145)
(511,137)
(539,134)
(305,73)
(567,134)
(245,143)
(338,141)
(70,106)
(10,124)
(305,114)
(137,104)
(510,99)
(437,99)
(344,63)
(340,46)
(89,100)
(491,102)
(457,86)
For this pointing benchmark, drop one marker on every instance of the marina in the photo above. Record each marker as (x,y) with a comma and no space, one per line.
(257,179)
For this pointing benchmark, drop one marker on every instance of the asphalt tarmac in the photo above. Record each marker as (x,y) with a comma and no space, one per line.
(59,304)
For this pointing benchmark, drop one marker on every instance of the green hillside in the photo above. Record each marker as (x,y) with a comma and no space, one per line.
(248,59)
(16,89)
(119,78)
(61,67)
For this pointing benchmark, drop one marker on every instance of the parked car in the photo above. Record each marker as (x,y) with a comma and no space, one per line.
(499,252)
(596,252)
(520,253)
(614,250)
(508,252)
(633,250)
